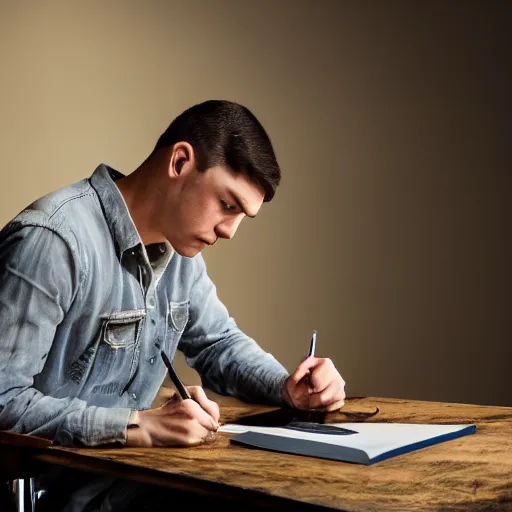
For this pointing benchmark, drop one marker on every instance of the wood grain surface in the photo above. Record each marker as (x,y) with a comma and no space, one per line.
(473,473)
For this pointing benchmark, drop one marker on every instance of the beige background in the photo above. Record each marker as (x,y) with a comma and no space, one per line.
(390,233)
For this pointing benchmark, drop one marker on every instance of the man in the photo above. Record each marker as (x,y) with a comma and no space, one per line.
(99,277)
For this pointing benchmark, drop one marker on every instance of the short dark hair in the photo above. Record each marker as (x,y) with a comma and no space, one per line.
(226,133)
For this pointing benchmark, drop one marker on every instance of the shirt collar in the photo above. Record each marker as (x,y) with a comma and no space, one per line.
(123,230)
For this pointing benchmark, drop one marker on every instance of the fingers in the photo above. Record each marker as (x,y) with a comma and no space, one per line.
(329,399)
(315,384)
(186,415)
(211,407)
(178,422)
(193,410)
(335,406)
(323,374)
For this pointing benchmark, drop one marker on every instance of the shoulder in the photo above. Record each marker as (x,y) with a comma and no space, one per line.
(62,208)
(51,224)
(58,212)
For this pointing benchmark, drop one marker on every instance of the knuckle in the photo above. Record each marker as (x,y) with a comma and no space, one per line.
(187,404)
(189,408)
(325,398)
(195,390)
(328,361)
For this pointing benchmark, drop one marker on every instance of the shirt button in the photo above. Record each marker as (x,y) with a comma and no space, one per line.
(152,360)
(151,302)
(153,321)
(134,396)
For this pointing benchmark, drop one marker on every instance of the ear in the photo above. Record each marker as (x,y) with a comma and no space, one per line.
(182,159)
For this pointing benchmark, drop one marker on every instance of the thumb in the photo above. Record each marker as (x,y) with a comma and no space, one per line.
(303,369)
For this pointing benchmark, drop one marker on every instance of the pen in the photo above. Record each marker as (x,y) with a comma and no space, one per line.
(312,346)
(182,390)
(311,353)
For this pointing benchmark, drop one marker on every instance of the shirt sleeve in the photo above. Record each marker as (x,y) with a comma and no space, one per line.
(228,361)
(39,278)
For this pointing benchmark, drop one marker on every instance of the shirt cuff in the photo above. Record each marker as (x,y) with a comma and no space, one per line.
(94,426)
(276,389)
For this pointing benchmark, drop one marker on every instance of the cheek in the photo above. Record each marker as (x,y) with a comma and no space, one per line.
(208,211)
(199,217)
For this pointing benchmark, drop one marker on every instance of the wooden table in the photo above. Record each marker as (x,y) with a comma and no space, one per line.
(466,474)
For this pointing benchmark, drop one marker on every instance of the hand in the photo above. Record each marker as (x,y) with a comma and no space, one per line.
(176,423)
(315,384)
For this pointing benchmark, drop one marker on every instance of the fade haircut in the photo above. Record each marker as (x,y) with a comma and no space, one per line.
(226,133)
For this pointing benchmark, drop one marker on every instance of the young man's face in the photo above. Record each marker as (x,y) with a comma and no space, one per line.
(208,206)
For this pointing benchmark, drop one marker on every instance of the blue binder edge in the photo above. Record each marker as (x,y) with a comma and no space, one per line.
(470,429)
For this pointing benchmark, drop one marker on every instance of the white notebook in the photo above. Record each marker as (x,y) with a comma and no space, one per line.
(366,444)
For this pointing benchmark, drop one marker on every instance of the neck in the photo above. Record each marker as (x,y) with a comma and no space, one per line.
(139,190)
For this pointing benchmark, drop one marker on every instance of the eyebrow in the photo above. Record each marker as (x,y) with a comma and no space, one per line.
(238,202)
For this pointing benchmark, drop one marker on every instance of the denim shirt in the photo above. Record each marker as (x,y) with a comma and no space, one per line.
(84,316)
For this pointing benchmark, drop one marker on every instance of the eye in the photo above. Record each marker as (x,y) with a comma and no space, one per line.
(227,207)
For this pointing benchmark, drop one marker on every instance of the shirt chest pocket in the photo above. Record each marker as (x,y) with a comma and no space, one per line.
(122,329)
(178,315)
(117,352)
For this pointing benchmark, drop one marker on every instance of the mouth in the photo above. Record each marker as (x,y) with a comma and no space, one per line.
(206,242)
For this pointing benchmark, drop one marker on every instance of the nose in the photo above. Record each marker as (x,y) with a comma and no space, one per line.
(227,228)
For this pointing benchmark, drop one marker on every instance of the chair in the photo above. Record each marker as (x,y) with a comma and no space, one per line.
(20,496)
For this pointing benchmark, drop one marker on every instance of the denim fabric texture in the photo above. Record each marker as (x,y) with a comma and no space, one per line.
(85,309)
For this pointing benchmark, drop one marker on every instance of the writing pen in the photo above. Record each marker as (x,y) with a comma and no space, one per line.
(312,346)
(311,353)
(182,390)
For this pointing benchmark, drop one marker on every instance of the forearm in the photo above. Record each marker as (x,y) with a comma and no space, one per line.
(66,421)
(228,361)
(236,365)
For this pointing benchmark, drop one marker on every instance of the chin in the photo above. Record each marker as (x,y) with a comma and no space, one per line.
(187,252)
